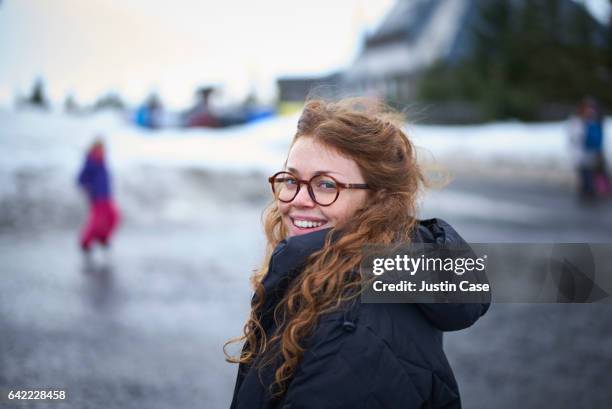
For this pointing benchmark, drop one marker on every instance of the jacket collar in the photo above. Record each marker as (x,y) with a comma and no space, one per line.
(288,260)
(291,255)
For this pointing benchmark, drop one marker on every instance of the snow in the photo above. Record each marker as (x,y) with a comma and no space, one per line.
(177,174)
(37,139)
(510,141)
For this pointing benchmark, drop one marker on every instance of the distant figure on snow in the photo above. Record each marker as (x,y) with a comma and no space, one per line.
(587,142)
(103,217)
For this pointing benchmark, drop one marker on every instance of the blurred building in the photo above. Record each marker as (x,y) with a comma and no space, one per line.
(415,35)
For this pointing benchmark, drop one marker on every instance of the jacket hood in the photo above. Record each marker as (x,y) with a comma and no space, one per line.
(96,153)
(448,316)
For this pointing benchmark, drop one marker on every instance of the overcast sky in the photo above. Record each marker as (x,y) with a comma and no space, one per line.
(136,46)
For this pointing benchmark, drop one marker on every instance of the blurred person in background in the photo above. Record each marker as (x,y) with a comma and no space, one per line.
(201,114)
(594,144)
(149,114)
(586,134)
(351,178)
(95,181)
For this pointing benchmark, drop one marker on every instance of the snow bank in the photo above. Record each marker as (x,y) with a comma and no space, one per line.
(185,175)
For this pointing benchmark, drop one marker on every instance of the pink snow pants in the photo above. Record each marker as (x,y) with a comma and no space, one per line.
(102,220)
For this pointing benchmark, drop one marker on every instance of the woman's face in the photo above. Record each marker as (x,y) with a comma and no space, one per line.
(308,158)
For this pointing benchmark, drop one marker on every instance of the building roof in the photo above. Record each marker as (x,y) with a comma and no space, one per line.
(413,35)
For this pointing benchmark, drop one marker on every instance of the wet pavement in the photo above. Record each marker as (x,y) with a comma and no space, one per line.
(143,326)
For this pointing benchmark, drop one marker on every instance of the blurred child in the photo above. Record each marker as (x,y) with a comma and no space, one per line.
(103,217)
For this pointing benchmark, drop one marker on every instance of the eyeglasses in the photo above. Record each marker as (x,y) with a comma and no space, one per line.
(323,189)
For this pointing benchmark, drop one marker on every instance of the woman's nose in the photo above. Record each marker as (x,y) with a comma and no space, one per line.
(303,198)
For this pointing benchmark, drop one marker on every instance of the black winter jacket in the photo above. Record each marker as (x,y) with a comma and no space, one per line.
(366,355)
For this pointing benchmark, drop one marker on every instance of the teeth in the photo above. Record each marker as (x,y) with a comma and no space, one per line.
(306,224)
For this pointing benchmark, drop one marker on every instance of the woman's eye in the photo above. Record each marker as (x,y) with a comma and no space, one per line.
(327,184)
(290,181)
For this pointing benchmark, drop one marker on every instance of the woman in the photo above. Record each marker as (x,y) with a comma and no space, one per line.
(351,178)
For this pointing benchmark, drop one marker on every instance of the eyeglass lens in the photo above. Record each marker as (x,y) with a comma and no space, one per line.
(324,188)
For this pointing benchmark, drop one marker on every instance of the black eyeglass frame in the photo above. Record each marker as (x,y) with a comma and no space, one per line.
(301,182)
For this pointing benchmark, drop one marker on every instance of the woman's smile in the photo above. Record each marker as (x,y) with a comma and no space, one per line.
(306,224)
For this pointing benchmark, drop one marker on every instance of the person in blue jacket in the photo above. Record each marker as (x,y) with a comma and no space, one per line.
(351,178)
(94,179)
(594,147)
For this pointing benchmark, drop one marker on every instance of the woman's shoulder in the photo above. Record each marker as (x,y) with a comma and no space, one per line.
(378,325)
(393,338)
